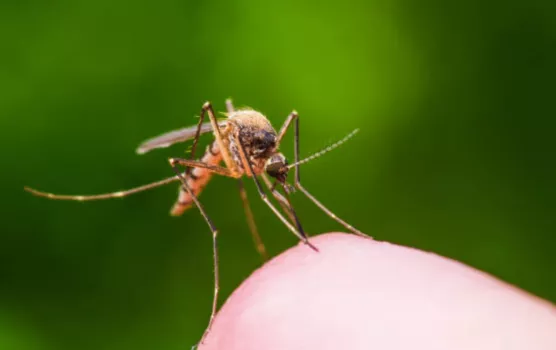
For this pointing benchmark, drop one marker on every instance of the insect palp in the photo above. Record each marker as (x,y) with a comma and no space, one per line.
(276,167)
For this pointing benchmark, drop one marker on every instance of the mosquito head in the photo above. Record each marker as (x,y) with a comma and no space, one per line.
(277,167)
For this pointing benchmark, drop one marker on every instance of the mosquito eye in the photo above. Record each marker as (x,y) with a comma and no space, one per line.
(264,139)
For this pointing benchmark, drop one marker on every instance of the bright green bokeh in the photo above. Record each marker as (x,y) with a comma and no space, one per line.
(456,108)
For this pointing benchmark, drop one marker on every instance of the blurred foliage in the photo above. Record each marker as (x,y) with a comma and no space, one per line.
(455,102)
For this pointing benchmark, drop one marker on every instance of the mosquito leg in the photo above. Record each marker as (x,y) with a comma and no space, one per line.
(191,163)
(230,164)
(284,203)
(198,164)
(118,194)
(293,115)
(197,135)
(309,195)
(299,233)
(214,232)
(330,213)
(259,245)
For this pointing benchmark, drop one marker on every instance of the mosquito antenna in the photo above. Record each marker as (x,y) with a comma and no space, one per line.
(325,150)
(118,194)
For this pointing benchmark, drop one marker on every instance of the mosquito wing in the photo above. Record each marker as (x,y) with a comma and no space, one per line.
(175,136)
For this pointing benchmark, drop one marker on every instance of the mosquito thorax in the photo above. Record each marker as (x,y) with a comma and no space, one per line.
(277,167)
(263,143)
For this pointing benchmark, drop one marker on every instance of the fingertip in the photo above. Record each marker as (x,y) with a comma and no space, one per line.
(358,293)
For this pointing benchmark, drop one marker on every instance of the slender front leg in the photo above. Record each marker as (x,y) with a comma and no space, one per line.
(284,203)
(257,240)
(297,180)
(299,233)
(214,231)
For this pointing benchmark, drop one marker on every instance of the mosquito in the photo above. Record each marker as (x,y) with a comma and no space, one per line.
(248,145)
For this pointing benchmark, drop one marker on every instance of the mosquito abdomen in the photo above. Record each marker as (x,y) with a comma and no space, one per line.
(197,180)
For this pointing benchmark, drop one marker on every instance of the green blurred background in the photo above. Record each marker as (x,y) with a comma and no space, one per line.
(455,102)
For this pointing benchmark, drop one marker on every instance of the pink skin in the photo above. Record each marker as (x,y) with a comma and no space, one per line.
(358,293)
